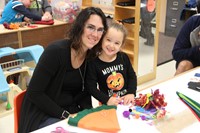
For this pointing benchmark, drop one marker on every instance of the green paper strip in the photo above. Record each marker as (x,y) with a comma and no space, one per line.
(196,111)
(189,100)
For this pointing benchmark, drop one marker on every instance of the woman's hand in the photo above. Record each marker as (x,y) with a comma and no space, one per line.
(129,98)
(114,101)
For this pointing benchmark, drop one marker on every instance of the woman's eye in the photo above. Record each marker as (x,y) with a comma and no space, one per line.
(91,27)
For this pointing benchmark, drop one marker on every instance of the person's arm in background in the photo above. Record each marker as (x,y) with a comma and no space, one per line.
(183,49)
(46,7)
(22,9)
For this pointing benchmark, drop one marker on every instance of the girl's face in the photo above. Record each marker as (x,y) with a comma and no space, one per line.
(112,42)
(26,3)
(93,32)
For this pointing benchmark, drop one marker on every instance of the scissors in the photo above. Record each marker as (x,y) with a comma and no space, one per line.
(61,130)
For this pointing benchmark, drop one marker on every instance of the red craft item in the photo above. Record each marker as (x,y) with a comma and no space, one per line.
(32,26)
(156,100)
(50,22)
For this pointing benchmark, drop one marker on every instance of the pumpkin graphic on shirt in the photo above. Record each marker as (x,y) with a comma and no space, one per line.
(115,81)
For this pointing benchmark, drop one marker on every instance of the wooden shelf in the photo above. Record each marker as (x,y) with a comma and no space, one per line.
(130,38)
(126,7)
(131,46)
(27,36)
(105,9)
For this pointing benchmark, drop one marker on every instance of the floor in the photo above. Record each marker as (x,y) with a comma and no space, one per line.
(164,72)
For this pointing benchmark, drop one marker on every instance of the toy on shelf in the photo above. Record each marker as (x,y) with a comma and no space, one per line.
(25,60)
(13,26)
(13,67)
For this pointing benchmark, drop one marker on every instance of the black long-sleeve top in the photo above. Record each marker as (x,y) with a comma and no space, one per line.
(112,78)
(54,87)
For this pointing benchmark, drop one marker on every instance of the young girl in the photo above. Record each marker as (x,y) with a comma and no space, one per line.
(110,77)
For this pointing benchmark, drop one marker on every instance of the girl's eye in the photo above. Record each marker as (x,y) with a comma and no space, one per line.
(117,43)
(108,40)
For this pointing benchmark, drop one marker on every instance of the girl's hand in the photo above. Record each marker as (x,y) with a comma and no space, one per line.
(129,98)
(114,101)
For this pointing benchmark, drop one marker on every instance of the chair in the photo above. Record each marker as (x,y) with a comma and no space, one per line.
(17,108)
(4,88)
(30,53)
(4,85)
(6,51)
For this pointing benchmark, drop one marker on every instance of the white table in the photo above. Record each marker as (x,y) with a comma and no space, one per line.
(180,118)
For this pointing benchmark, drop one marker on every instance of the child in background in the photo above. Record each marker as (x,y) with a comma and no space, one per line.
(110,77)
(41,8)
(16,11)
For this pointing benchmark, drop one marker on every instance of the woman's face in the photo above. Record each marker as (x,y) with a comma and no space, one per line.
(93,31)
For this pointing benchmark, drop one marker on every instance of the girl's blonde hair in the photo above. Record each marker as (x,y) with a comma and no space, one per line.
(118,26)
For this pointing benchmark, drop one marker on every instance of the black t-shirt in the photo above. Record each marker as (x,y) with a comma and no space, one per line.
(112,78)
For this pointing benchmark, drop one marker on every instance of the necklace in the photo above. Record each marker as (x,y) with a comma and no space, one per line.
(82,74)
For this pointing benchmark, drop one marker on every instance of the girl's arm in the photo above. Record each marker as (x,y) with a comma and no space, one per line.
(91,84)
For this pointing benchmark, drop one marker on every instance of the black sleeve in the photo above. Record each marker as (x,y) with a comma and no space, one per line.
(42,76)
(131,76)
(22,9)
(91,83)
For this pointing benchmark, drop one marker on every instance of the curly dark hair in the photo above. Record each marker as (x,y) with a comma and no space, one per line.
(77,27)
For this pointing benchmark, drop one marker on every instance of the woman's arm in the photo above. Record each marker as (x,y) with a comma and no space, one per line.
(39,86)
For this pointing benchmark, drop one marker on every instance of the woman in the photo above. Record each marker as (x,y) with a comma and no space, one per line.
(56,89)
